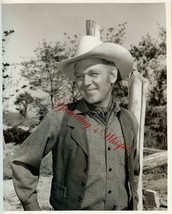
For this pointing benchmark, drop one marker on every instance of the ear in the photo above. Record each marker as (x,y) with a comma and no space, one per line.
(113,75)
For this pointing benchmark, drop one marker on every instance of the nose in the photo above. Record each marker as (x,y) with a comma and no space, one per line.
(87,80)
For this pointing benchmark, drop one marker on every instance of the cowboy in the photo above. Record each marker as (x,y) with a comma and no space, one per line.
(95,167)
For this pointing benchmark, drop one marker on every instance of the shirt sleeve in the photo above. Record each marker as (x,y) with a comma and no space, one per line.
(26,164)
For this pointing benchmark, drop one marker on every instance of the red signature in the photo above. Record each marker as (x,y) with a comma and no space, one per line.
(62,107)
(111,138)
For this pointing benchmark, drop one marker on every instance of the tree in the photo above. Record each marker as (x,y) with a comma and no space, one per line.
(41,107)
(6,36)
(70,44)
(120,93)
(5,65)
(6,77)
(115,35)
(150,58)
(23,101)
(42,71)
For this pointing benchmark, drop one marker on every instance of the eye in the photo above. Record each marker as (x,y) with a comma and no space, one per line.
(94,74)
(79,77)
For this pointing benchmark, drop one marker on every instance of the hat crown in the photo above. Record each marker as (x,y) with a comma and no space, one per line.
(87,43)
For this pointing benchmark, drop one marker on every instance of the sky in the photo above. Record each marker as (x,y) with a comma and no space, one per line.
(34,22)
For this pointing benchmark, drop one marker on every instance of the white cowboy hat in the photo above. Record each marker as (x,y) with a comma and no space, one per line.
(91,47)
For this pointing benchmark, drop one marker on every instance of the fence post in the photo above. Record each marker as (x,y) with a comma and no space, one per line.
(92,28)
(137,104)
(138,86)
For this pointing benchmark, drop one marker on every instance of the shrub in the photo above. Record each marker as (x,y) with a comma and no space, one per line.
(16,135)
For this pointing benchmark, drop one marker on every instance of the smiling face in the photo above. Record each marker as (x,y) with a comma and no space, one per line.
(94,80)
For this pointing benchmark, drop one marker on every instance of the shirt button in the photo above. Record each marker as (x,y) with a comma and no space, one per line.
(79,198)
(109,191)
(110,169)
(109,148)
(83,184)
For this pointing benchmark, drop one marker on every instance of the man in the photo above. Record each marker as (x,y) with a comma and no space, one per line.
(93,141)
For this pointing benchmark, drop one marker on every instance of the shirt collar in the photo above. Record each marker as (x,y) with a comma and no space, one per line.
(84,107)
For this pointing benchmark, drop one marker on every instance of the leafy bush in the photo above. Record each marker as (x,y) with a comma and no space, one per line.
(15,135)
(156,127)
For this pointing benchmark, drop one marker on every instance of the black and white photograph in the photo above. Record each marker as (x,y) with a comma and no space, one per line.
(84,101)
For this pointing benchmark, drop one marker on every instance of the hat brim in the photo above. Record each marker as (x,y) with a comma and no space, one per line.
(108,51)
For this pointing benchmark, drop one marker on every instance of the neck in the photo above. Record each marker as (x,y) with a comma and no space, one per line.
(105,104)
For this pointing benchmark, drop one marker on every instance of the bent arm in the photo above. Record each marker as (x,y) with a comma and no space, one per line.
(26,164)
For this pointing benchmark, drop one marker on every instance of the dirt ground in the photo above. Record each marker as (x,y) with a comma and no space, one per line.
(11,202)
(156,180)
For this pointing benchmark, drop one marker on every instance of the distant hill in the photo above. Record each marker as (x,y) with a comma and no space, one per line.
(15,119)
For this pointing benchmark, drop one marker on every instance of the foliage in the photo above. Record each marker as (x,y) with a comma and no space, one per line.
(149,51)
(156,127)
(15,135)
(5,65)
(6,36)
(23,101)
(150,55)
(43,73)
(70,44)
(120,93)
(41,106)
(113,35)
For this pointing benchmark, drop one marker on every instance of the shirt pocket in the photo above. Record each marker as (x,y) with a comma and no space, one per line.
(58,191)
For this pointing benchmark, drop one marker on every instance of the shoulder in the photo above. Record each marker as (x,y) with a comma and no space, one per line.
(59,109)
(54,117)
(131,117)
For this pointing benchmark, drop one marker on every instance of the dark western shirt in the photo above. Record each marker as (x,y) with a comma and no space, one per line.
(106,185)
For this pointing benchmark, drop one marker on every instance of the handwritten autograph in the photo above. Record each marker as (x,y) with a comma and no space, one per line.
(62,107)
(106,134)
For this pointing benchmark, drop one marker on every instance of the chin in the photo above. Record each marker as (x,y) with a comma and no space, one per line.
(93,101)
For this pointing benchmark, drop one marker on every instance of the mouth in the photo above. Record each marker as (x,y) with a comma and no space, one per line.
(90,90)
